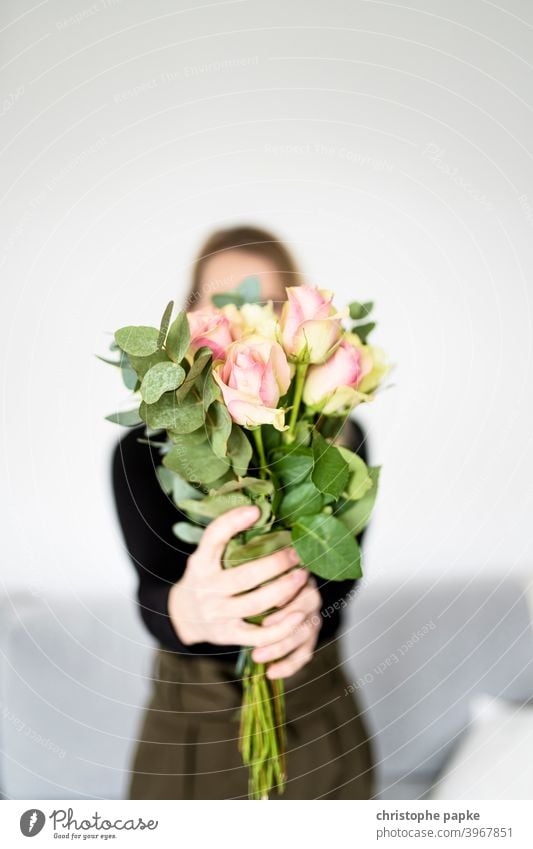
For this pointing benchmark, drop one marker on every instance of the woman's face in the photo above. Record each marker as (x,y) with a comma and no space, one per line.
(223,272)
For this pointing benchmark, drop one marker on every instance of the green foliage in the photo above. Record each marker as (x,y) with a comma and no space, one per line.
(363,330)
(187,532)
(194,460)
(143,364)
(292,465)
(360,310)
(356,514)
(298,501)
(317,496)
(239,450)
(238,553)
(165,323)
(330,469)
(175,486)
(178,338)
(201,360)
(255,486)
(129,375)
(208,389)
(360,480)
(160,379)
(211,506)
(219,425)
(326,548)
(128,418)
(179,417)
(139,341)
(247,292)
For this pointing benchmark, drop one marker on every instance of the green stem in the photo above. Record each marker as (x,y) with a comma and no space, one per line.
(301,370)
(258,437)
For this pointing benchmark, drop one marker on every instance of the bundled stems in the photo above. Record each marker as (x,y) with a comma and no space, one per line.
(262,732)
(262,718)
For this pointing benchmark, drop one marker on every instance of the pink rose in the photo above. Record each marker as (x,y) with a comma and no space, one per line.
(310,325)
(210,328)
(253,377)
(333,385)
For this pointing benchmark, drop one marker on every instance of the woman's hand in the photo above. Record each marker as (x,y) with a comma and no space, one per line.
(297,647)
(206,604)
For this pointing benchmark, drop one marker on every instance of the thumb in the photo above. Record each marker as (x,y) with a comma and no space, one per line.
(219,532)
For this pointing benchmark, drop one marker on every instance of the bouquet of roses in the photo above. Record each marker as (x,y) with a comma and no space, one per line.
(248,408)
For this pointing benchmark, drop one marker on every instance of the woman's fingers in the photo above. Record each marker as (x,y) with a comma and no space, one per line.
(257,635)
(293,662)
(219,532)
(275,594)
(308,600)
(297,636)
(250,575)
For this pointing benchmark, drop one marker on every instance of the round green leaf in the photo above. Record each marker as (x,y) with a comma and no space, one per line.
(187,532)
(178,338)
(326,547)
(139,341)
(161,378)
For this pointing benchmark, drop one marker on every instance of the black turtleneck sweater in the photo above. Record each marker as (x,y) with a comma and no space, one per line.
(146,515)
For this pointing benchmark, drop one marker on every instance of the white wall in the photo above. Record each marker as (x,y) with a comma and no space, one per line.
(390,146)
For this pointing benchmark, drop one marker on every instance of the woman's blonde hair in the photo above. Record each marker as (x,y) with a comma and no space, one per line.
(254,240)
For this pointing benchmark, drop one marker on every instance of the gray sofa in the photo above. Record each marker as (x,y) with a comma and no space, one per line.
(74,675)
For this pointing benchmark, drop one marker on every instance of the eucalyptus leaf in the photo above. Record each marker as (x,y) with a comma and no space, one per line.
(360,310)
(178,338)
(144,364)
(187,532)
(201,359)
(225,298)
(256,486)
(330,470)
(213,505)
(326,548)
(183,417)
(260,546)
(363,330)
(195,463)
(208,389)
(165,478)
(239,450)
(115,363)
(182,489)
(165,322)
(247,292)
(172,484)
(128,418)
(219,426)
(250,289)
(139,341)
(129,375)
(163,377)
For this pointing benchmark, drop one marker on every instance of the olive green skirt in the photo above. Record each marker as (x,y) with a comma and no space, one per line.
(188,746)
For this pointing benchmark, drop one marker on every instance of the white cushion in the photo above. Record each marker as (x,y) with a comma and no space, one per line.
(494,757)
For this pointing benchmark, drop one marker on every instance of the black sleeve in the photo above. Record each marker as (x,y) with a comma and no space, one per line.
(146,515)
(335,594)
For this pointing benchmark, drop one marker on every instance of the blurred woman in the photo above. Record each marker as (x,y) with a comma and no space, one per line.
(188,745)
